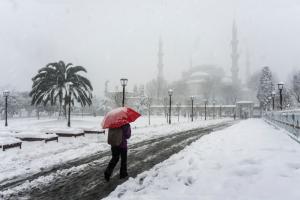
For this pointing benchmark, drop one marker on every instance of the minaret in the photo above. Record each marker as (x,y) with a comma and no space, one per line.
(247,71)
(234,56)
(160,66)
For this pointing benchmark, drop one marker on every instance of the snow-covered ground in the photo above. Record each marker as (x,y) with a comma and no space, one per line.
(35,156)
(251,160)
(86,122)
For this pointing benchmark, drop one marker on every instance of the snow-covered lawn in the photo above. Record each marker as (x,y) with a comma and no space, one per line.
(86,122)
(248,161)
(36,156)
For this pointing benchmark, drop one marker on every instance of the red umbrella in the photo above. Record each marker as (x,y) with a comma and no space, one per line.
(119,117)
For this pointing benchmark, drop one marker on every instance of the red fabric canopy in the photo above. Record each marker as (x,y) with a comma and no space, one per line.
(119,117)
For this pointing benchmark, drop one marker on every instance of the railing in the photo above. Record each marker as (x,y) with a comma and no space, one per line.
(288,120)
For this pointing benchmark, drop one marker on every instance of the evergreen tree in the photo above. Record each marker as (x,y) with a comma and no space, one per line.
(265,87)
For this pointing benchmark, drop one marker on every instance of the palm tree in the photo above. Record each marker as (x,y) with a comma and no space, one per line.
(61,83)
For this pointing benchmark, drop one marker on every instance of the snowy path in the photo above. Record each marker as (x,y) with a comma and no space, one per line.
(84,180)
(39,157)
(250,160)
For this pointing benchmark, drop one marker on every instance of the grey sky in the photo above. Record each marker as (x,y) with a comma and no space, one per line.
(116,38)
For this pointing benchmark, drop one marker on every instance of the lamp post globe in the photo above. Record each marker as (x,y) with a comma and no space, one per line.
(280,85)
(170,92)
(123,83)
(6,93)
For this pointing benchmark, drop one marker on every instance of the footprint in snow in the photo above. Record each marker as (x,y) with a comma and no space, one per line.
(246,172)
(191,161)
(249,161)
(294,166)
(217,166)
(141,180)
(189,181)
(121,193)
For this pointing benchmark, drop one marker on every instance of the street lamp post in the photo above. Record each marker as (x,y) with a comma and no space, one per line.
(205,104)
(6,94)
(170,92)
(69,111)
(280,88)
(273,99)
(192,99)
(123,83)
(214,103)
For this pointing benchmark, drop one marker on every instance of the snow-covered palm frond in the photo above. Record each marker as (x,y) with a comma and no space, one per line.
(57,81)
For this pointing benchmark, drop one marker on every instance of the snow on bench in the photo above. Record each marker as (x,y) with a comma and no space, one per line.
(36,136)
(93,130)
(9,142)
(66,132)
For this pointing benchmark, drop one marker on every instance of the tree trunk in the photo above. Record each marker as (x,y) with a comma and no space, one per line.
(59,112)
(38,113)
(149,116)
(65,111)
(69,112)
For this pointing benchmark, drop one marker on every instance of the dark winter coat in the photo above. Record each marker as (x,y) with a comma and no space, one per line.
(126,135)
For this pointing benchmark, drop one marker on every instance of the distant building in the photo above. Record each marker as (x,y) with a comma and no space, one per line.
(199,79)
(160,75)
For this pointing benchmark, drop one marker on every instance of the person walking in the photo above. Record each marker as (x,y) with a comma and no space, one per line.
(117,151)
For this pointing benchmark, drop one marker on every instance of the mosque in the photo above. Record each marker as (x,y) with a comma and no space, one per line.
(210,83)
(205,82)
(201,78)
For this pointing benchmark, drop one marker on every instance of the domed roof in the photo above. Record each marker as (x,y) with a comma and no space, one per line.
(203,72)
(227,80)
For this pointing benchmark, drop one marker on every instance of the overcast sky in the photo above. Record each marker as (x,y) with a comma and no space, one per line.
(119,38)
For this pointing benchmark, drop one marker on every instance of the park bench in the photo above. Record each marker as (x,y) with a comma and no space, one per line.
(93,131)
(70,134)
(36,136)
(9,142)
(66,132)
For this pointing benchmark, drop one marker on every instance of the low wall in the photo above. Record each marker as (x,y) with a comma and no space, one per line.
(288,120)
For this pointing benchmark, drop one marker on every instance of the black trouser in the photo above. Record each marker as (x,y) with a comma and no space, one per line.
(116,152)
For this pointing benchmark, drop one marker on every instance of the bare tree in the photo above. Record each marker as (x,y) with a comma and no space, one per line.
(148,104)
(117,97)
(141,103)
(296,86)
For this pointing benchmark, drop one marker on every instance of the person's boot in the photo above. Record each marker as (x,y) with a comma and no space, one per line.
(123,175)
(106,176)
